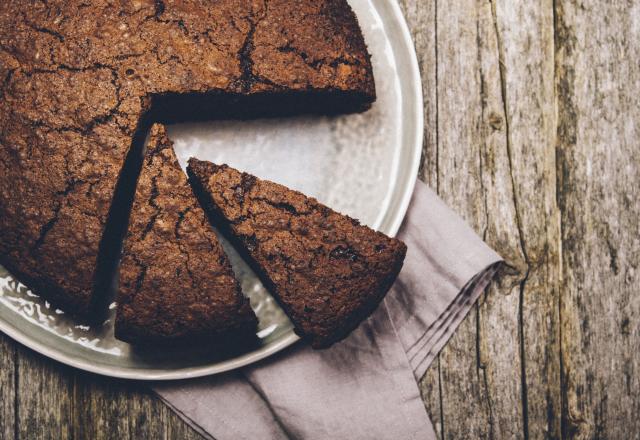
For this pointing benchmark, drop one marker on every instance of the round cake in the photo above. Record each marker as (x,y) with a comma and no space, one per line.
(82,81)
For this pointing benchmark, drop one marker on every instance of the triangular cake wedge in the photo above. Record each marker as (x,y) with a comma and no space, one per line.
(325,269)
(176,283)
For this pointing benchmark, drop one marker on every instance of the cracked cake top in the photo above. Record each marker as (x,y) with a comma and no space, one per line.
(80,80)
(176,282)
(327,270)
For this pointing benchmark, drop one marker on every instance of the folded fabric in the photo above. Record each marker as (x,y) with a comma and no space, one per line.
(366,386)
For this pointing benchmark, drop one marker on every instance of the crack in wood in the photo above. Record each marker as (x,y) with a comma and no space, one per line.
(523,248)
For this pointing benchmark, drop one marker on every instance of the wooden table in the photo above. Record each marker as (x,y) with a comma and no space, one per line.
(533,136)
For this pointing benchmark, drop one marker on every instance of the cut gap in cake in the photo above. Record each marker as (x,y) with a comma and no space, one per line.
(105,277)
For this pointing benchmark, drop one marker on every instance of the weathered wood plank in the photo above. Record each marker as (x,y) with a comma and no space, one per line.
(526,49)
(54,401)
(495,165)
(44,397)
(466,405)
(7,387)
(421,18)
(598,84)
(116,409)
(474,177)
(101,408)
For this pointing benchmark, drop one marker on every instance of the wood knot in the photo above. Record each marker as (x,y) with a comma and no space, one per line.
(495,121)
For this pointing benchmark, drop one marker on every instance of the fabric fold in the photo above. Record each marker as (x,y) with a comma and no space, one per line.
(366,386)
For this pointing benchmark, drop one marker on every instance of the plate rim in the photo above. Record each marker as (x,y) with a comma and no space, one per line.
(289,338)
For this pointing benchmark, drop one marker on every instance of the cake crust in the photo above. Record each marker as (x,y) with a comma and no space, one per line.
(327,270)
(81,80)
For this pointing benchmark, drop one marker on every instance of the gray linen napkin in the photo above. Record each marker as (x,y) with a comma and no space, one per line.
(366,386)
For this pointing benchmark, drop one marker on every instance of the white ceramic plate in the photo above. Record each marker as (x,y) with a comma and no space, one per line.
(362,165)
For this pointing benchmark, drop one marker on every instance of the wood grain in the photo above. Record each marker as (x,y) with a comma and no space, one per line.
(482,131)
(7,387)
(118,409)
(565,115)
(598,84)
(44,397)
(532,135)
(469,97)
(525,36)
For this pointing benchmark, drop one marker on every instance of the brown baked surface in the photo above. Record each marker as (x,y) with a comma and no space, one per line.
(176,283)
(77,76)
(326,270)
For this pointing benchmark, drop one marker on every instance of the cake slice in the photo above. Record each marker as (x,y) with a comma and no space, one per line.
(326,270)
(176,282)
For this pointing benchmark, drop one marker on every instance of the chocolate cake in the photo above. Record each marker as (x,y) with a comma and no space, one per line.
(326,270)
(82,80)
(176,283)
